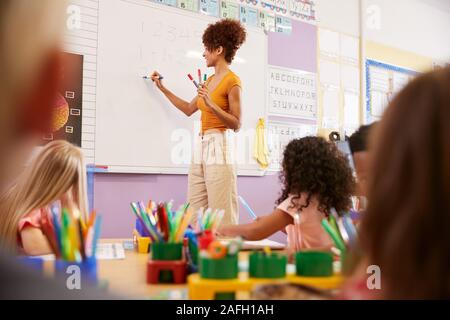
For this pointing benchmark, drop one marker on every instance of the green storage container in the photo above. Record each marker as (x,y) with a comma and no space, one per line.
(314,264)
(267,265)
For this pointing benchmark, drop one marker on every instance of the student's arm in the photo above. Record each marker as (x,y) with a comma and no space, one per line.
(231,119)
(259,229)
(188,108)
(34,242)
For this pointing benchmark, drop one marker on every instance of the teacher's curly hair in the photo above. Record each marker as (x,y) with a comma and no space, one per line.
(315,167)
(226,33)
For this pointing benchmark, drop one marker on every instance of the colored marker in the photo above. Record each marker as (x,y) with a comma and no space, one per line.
(192,79)
(150,78)
(245,204)
(204,77)
(199,76)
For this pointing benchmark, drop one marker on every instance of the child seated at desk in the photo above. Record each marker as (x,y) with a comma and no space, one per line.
(57,173)
(405,233)
(316,177)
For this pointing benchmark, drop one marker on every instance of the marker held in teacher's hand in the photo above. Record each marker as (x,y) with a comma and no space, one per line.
(199,76)
(150,78)
(192,79)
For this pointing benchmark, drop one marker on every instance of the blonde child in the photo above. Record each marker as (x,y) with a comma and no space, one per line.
(316,178)
(57,173)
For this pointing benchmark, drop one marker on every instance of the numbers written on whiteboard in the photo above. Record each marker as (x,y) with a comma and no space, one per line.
(162,31)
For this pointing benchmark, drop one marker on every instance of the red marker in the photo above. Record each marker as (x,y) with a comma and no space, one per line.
(199,76)
(192,79)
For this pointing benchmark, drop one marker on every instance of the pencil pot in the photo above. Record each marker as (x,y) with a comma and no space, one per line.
(224,268)
(87,269)
(314,264)
(166,251)
(143,244)
(271,265)
(33,263)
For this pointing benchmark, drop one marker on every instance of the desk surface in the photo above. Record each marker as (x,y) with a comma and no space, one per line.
(127,277)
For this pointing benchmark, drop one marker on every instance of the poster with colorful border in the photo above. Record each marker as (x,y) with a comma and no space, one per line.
(68,107)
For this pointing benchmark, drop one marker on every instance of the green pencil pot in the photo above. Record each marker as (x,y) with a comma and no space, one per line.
(270,266)
(225,268)
(166,251)
(314,264)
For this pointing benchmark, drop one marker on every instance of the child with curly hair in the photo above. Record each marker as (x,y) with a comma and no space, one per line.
(316,177)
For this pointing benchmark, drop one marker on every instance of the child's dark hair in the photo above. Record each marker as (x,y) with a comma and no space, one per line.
(359,139)
(313,166)
(226,33)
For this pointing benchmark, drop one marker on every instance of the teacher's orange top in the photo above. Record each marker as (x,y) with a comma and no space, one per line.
(219,96)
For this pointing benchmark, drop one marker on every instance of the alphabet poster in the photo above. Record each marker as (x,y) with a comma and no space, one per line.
(292,93)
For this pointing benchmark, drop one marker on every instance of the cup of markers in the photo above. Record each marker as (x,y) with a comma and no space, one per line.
(218,260)
(74,240)
(207,222)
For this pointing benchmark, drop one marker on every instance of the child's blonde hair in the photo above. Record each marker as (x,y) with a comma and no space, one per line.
(58,169)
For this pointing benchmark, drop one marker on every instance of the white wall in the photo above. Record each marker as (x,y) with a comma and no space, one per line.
(339,15)
(418,26)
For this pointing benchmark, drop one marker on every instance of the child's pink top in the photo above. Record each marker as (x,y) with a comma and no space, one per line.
(32,219)
(309,233)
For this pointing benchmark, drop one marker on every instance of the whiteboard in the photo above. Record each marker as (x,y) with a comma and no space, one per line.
(137,130)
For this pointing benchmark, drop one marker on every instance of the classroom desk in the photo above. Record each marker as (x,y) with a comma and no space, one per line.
(127,277)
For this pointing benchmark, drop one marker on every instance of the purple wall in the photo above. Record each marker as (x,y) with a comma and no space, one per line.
(114,192)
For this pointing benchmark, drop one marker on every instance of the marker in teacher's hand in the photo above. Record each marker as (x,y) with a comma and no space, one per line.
(192,79)
(150,78)
(199,76)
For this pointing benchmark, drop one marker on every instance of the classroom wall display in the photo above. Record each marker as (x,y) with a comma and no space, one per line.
(330,110)
(250,2)
(68,107)
(383,81)
(82,41)
(172,3)
(292,93)
(284,49)
(210,7)
(191,5)
(280,134)
(339,78)
(302,9)
(280,6)
(267,21)
(283,25)
(229,10)
(249,16)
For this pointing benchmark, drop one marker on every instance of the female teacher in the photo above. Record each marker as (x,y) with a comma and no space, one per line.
(212,174)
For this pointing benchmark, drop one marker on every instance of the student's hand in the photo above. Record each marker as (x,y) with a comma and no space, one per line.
(203,92)
(156,79)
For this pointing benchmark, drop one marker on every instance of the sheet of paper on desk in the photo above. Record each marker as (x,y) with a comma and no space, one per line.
(249,245)
(110,251)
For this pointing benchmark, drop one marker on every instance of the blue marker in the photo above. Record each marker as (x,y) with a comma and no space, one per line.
(245,204)
(150,78)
